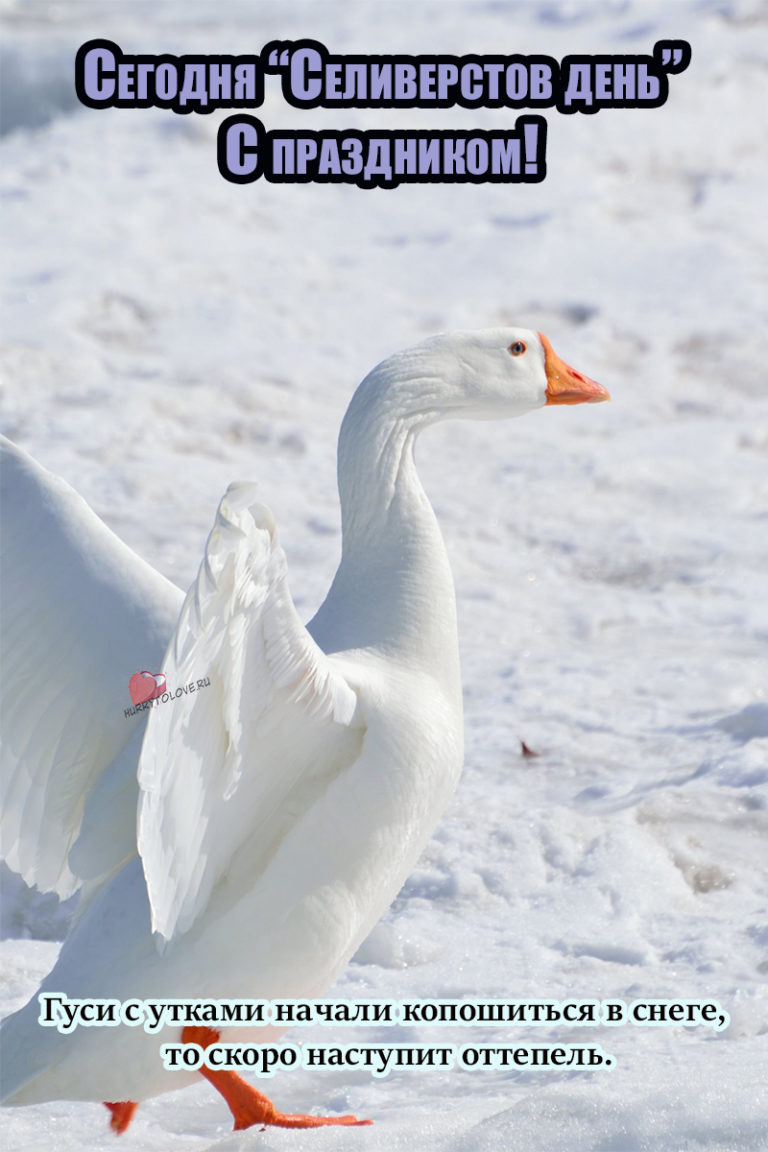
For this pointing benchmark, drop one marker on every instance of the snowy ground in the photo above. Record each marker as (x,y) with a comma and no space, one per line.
(165,332)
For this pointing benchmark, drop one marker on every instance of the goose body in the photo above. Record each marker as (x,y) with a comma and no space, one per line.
(241,841)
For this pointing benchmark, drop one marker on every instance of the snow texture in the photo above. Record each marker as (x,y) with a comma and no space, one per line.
(165,333)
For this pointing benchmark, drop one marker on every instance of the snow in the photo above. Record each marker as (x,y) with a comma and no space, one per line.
(165,332)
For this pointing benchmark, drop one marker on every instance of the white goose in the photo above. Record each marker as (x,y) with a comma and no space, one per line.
(281,807)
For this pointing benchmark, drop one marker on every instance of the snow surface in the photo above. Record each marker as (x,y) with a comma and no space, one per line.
(165,332)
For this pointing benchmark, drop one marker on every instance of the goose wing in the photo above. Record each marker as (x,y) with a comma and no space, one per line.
(258,719)
(80,613)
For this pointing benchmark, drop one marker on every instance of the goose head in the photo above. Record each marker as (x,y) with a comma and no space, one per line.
(484,375)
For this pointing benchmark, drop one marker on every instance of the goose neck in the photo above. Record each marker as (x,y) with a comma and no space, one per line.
(393,590)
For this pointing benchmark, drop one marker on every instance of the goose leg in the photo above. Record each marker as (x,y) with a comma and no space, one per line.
(122,1114)
(246,1104)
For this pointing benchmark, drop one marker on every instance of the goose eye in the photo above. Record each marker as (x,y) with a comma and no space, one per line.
(517,348)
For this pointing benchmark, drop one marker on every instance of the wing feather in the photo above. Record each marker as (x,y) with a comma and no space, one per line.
(79,614)
(220,760)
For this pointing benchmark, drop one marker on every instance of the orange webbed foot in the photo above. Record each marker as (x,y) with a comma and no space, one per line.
(247,1105)
(122,1114)
(300,1120)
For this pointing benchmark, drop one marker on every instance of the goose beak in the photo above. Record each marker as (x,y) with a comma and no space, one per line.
(564,384)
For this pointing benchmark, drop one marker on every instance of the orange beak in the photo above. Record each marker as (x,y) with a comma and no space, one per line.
(564,384)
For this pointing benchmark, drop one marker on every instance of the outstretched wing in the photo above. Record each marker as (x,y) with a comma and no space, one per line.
(79,614)
(257,717)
